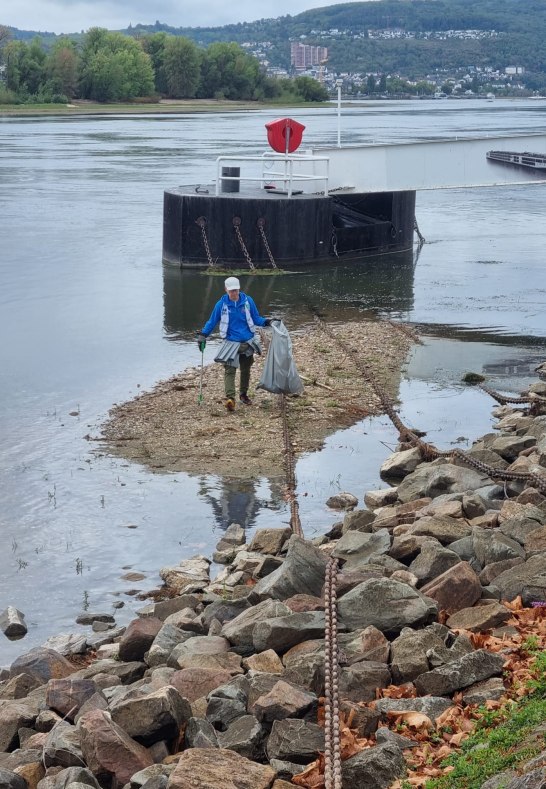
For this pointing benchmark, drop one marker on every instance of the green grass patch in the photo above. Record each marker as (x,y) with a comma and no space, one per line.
(503,739)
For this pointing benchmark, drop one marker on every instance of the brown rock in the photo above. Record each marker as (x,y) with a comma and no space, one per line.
(282,701)
(138,638)
(390,517)
(269,541)
(66,696)
(479,618)
(267,662)
(32,773)
(108,750)
(457,588)
(43,664)
(304,602)
(13,715)
(204,768)
(192,683)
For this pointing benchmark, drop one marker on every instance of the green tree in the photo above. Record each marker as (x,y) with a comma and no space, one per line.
(181,66)
(228,72)
(154,45)
(62,68)
(311,89)
(370,84)
(114,67)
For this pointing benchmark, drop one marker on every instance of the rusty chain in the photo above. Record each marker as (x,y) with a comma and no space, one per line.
(503,399)
(289,468)
(237,227)
(201,222)
(429,451)
(332,746)
(261,227)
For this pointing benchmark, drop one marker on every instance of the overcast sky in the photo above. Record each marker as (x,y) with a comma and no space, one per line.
(72,16)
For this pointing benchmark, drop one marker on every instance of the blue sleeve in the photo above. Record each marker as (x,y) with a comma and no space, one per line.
(214,319)
(255,315)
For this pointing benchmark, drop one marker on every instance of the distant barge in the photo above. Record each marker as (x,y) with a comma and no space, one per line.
(536,161)
(280,213)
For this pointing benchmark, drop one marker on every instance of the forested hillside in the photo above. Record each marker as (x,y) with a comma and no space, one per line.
(410,38)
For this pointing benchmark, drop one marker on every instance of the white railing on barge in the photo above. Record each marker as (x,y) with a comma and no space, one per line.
(292,179)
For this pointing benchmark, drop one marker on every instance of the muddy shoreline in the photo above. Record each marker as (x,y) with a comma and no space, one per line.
(166,429)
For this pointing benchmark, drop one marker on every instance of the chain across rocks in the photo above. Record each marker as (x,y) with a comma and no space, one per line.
(332,745)
(237,227)
(429,451)
(289,470)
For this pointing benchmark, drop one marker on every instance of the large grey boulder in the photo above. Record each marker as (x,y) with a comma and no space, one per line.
(284,632)
(302,572)
(163,644)
(509,447)
(13,716)
(479,618)
(400,464)
(432,561)
(358,520)
(10,780)
(409,652)
(293,740)
(63,747)
(199,645)
(358,548)
(433,480)
(471,668)
(388,605)
(153,717)
(12,623)
(239,631)
(200,733)
(491,545)
(245,736)
(190,575)
(443,528)
(512,582)
(374,768)
(360,681)
(283,701)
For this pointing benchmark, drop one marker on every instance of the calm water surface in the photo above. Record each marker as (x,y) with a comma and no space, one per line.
(88,317)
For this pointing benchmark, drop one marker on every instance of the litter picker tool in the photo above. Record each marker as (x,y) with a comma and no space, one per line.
(200,398)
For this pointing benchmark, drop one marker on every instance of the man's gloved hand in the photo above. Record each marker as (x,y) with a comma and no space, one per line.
(201,342)
(267,322)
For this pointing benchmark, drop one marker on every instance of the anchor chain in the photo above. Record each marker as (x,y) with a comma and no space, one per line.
(201,222)
(332,746)
(237,227)
(503,399)
(261,227)
(289,467)
(429,451)
(420,236)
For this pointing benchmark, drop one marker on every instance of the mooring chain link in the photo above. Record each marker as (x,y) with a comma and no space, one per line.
(261,227)
(503,399)
(332,745)
(237,226)
(201,222)
(289,468)
(429,451)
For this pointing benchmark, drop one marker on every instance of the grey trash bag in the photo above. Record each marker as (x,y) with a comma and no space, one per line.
(280,375)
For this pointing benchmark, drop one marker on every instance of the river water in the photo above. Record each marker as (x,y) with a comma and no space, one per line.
(89,317)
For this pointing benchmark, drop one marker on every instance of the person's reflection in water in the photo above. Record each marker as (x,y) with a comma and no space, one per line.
(237,500)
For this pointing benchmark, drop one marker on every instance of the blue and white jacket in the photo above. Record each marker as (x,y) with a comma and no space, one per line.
(237,319)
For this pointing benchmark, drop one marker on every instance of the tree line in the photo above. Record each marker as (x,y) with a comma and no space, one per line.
(114,67)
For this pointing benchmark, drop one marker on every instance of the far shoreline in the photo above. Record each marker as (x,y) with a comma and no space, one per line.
(163,107)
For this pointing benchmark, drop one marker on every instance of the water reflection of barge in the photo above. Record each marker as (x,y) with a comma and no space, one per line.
(536,161)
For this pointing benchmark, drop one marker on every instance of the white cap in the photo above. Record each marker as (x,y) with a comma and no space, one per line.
(232,283)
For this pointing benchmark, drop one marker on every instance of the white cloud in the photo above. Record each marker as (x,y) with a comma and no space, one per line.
(72,16)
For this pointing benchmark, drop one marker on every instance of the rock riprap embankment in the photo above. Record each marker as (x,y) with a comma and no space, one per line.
(221,685)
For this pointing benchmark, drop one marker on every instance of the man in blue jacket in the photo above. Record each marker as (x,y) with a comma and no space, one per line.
(238,317)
